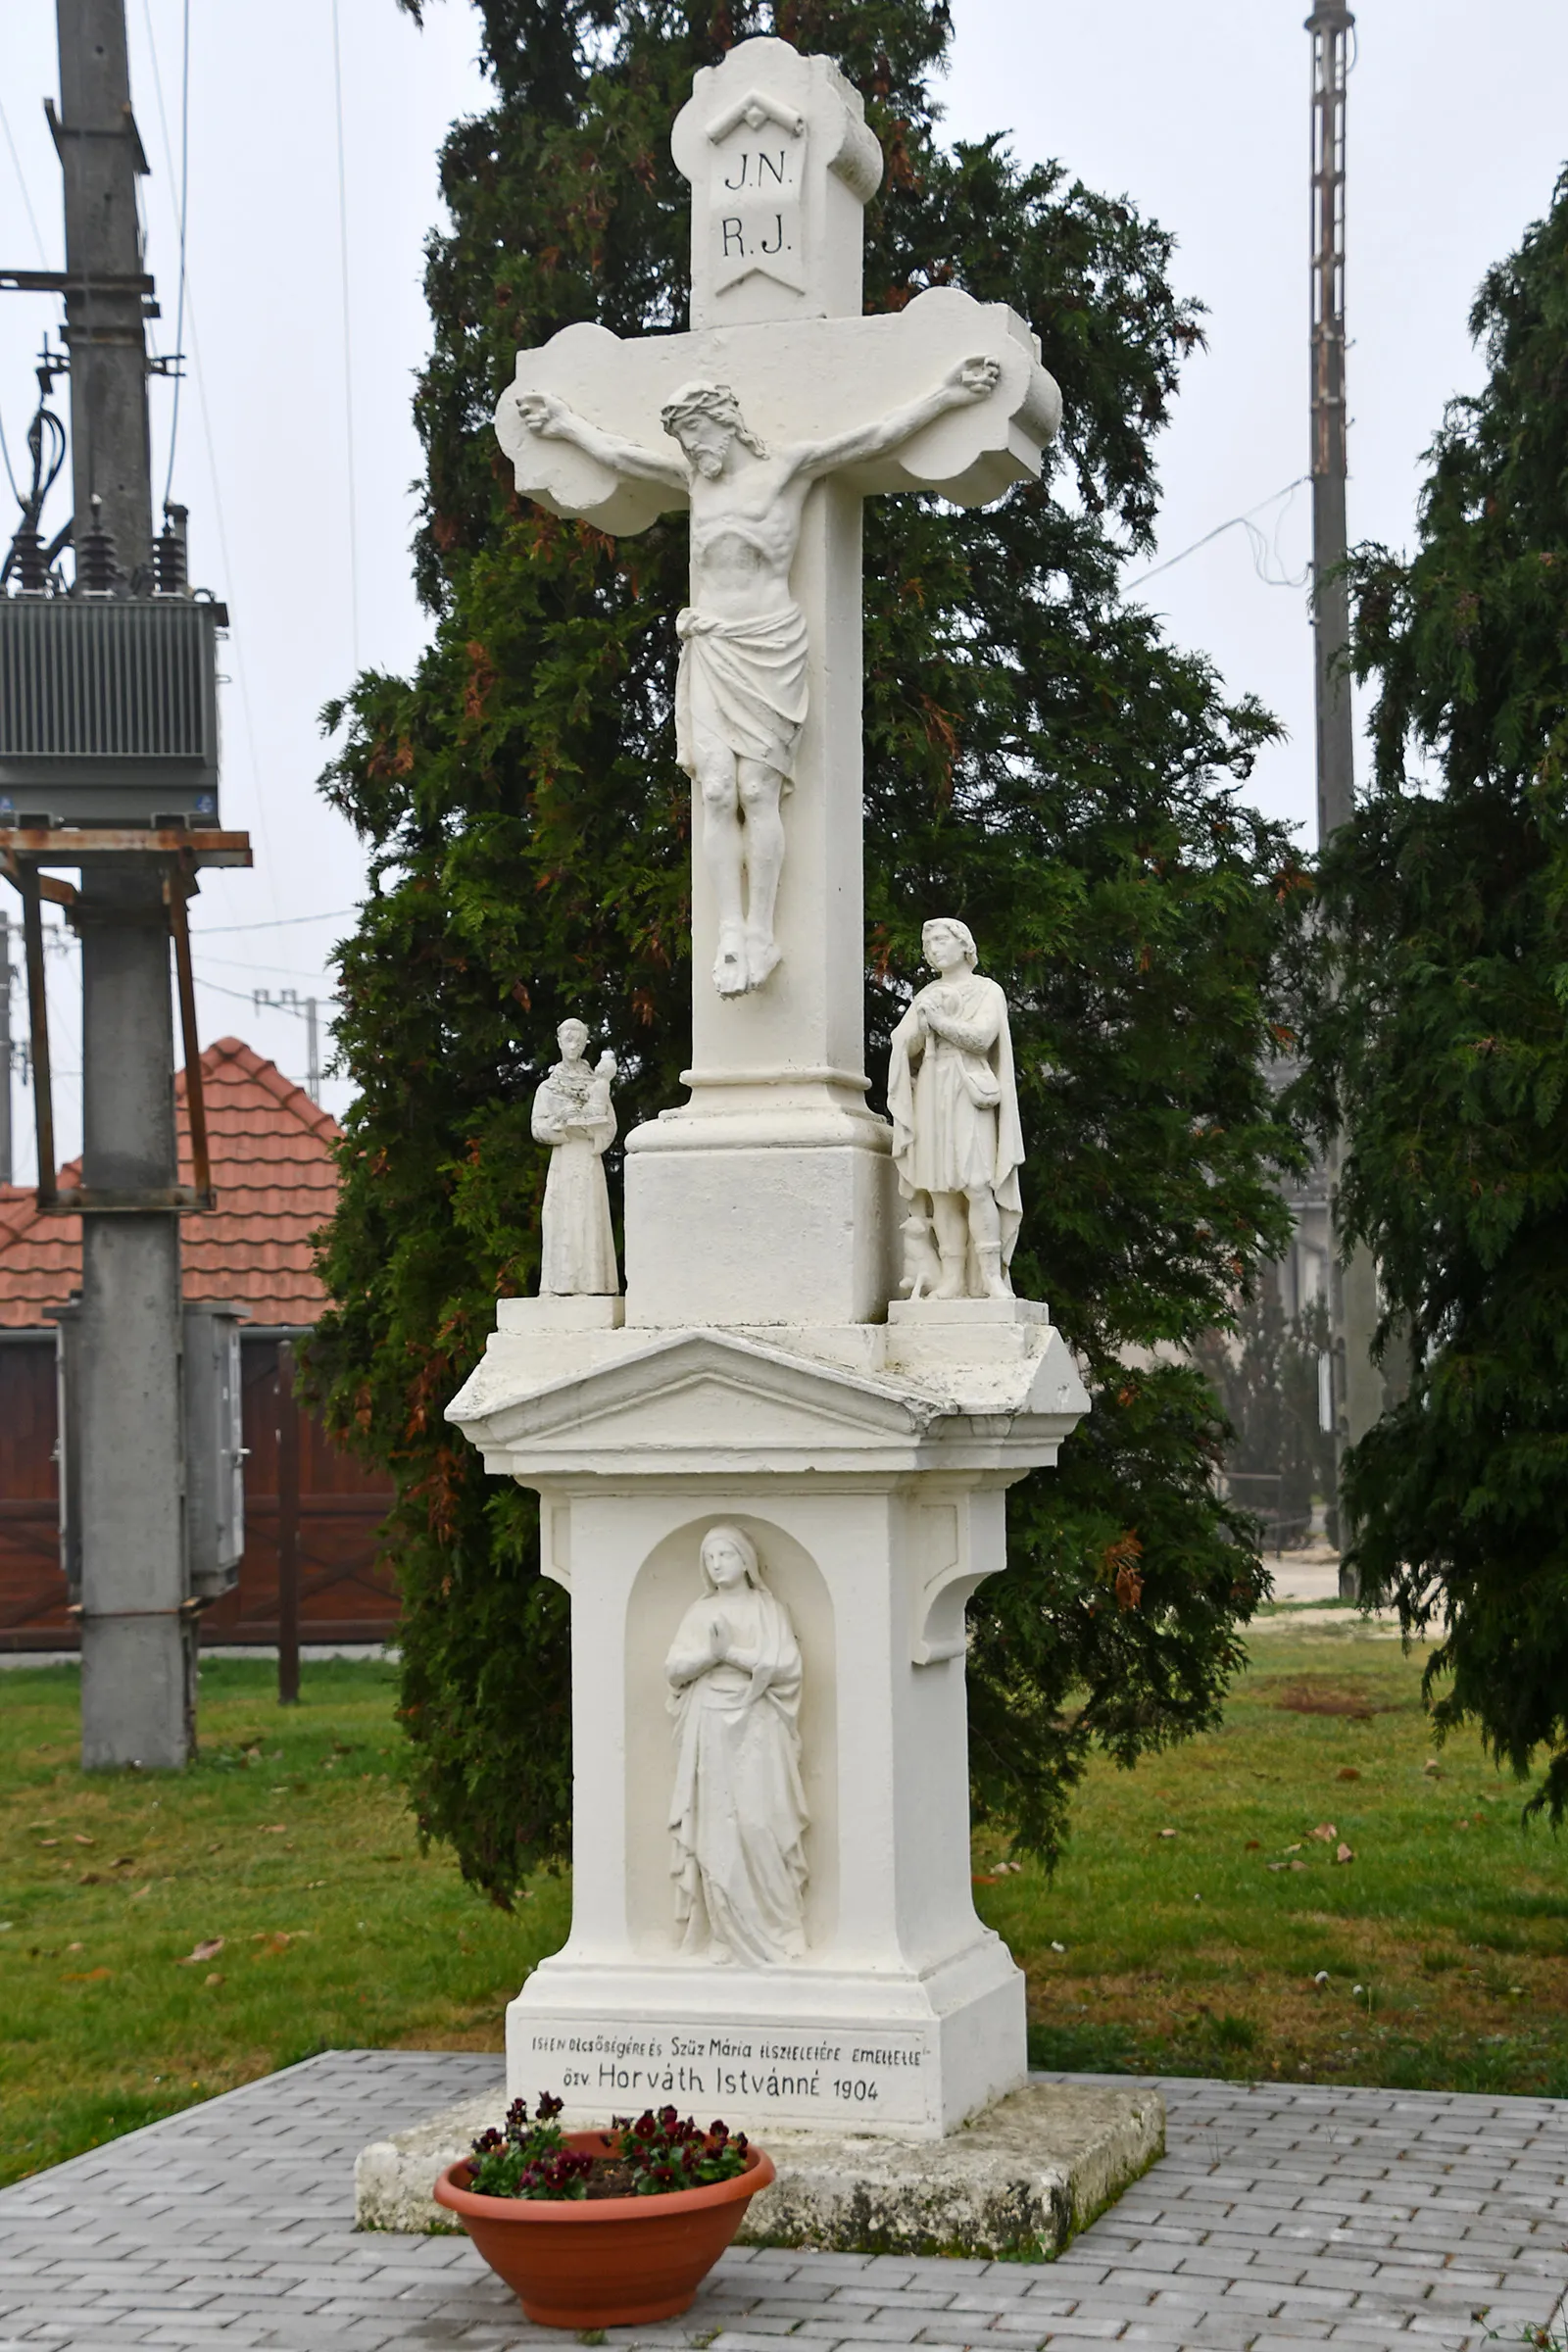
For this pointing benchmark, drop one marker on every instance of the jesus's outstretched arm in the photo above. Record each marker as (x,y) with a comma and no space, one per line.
(971,379)
(544,414)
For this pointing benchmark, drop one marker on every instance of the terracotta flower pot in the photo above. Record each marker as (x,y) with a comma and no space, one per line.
(604,2262)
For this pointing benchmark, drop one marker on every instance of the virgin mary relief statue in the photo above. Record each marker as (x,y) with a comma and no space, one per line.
(737,1816)
(958,1143)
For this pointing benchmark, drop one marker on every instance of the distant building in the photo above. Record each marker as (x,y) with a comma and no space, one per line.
(273,1166)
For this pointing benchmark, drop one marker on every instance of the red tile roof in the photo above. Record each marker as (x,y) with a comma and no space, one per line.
(276,1184)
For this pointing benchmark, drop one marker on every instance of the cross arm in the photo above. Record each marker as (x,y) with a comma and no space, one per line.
(829,391)
(594,451)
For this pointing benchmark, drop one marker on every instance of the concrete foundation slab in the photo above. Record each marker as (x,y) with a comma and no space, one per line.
(1020,2182)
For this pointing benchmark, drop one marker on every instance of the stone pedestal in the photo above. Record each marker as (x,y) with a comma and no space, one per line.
(1019,2184)
(868,1463)
(745,1213)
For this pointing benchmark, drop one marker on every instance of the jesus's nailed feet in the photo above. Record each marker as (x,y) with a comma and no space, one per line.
(730,976)
(762,957)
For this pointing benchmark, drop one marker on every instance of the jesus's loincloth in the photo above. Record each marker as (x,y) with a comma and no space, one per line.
(742,685)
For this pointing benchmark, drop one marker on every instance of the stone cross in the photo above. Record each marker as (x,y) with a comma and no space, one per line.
(772,419)
(768,1484)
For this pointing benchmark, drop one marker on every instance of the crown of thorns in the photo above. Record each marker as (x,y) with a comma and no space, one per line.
(716,401)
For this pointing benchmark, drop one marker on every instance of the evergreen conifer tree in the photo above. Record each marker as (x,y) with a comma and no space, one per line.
(1443,1033)
(1038,760)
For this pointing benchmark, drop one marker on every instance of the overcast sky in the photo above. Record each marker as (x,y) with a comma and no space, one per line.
(1199,115)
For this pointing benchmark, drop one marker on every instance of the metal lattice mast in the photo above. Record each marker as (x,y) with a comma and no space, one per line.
(1358,1386)
(1330,24)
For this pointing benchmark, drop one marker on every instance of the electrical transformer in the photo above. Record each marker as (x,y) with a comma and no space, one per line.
(109,711)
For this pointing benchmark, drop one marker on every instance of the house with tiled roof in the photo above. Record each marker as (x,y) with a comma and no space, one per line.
(273,1168)
(272,1161)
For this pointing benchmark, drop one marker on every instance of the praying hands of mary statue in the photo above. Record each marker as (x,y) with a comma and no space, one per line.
(738,1814)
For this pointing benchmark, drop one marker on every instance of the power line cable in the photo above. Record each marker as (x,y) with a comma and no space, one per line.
(21,182)
(1261,546)
(184,201)
(235,963)
(188,297)
(37,238)
(348,350)
(334,914)
(10,476)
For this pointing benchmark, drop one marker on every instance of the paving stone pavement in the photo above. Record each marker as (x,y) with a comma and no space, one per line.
(1284,2215)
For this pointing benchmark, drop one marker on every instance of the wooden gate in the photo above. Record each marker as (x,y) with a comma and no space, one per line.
(347,1591)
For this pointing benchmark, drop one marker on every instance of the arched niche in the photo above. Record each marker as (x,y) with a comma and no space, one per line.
(668,1581)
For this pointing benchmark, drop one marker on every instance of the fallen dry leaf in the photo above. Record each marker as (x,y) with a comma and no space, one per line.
(77,1839)
(274,1829)
(123,1862)
(141,1891)
(1345,1854)
(91,1976)
(48,1841)
(1327,1832)
(1347,1772)
(209,1950)
(215,1979)
(1167,1833)
(1255,1845)
(1296,1865)
(91,1878)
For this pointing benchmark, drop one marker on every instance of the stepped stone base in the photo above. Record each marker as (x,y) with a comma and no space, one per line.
(1021,2179)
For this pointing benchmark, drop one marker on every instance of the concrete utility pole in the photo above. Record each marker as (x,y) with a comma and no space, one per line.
(137,1629)
(1358,1388)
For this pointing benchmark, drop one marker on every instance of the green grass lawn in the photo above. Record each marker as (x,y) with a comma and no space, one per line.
(1182,1952)
(1443,1940)
(291,1841)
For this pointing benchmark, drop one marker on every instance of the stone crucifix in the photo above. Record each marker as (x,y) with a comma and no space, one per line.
(771,419)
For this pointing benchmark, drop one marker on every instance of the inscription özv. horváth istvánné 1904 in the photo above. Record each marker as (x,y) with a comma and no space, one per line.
(818,2076)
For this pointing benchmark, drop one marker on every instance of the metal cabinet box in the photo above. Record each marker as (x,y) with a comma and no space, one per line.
(109,711)
(215,1448)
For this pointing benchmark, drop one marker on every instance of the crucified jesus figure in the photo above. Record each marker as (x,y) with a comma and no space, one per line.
(741,692)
